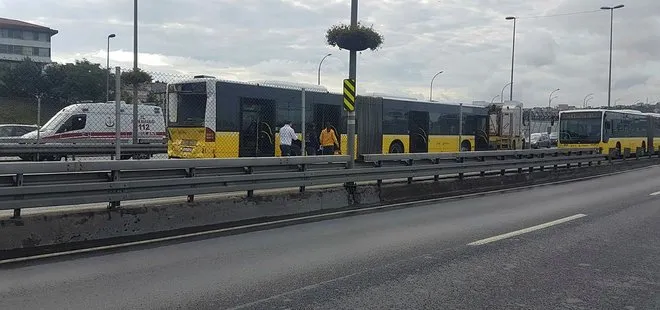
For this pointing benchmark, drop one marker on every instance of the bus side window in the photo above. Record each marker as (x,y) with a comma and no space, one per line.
(75,122)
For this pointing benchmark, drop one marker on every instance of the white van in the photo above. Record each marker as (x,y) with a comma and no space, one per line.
(95,122)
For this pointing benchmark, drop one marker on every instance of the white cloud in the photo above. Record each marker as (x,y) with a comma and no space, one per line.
(284,40)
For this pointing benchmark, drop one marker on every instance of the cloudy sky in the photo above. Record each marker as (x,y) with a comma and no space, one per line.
(284,40)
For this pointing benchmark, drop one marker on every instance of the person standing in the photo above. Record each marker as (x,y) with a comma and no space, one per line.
(287,136)
(328,140)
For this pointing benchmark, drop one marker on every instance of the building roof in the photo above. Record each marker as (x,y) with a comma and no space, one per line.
(17,24)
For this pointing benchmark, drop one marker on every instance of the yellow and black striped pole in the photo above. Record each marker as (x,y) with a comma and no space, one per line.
(349,95)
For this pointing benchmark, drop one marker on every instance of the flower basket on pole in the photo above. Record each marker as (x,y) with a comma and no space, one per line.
(358,38)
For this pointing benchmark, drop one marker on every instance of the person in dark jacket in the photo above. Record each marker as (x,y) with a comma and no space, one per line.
(312,143)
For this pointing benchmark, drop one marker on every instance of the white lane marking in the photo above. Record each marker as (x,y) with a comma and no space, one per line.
(654,194)
(383,207)
(526,230)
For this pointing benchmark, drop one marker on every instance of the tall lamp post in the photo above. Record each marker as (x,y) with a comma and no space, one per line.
(319,75)
(586,100)
(513,53)
(550,97)
(135,70)
(502,92)
(107,66)
(609,83)
(431,91)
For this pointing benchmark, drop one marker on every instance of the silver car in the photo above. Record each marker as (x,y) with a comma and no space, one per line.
(13,132)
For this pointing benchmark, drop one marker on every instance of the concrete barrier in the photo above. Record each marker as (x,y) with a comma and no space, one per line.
(72,229)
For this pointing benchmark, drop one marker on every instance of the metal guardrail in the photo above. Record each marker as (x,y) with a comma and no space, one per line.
(29,150)
(28,185)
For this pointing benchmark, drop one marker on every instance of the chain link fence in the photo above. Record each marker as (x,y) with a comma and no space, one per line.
(187,116)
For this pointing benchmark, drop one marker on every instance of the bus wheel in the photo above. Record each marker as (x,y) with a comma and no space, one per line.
(396,147)
(466,146)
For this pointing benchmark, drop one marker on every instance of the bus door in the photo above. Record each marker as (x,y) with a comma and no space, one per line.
(257,132)
(481,139)
(328,113)
(370,136)
(418,131)
(650,134)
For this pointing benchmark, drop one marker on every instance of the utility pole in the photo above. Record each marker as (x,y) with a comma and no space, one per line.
(352,73)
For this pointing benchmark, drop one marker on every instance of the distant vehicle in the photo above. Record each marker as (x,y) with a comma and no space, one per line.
(539,140)
(95,123)
(608,129)
(554,138)
(14,132)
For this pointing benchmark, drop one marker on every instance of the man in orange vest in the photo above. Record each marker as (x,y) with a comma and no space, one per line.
(328,140)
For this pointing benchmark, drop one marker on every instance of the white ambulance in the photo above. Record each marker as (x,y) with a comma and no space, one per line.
(95,123)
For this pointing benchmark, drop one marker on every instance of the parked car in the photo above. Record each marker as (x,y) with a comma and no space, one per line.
(539,140)
(13,132)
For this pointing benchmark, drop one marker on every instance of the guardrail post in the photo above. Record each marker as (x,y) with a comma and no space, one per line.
(18,182)
(410,163)
(249,170)
(191,174)
(302,168)
(114,177)
(379,164)
(436,177)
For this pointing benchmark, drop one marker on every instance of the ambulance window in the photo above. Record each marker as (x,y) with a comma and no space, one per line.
(76,122)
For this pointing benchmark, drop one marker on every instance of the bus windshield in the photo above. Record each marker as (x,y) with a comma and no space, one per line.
(580,127)
(187,106)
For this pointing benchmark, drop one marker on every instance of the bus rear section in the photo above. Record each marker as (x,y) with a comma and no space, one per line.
(188,134)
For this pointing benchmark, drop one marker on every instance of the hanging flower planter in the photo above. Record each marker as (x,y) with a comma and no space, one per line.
(358,38)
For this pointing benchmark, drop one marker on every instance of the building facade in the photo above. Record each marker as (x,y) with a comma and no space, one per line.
(19,40)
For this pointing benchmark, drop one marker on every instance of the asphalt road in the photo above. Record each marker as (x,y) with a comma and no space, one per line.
(605,255)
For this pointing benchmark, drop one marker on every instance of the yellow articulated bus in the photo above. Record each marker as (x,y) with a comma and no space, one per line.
(608,129)
(211,118)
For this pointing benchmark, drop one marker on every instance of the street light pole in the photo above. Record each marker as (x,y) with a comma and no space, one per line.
(609,83)
(586,99)
(502,92)
(135,69)
(513,54)
(550,97)
(107,78)
(324,57)
(431,91)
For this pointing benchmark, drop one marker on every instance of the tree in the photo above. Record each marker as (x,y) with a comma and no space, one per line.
(135,77)
(25,79)
(81,80)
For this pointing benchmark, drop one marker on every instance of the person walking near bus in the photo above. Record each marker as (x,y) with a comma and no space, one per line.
(287,136)
(328,140)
